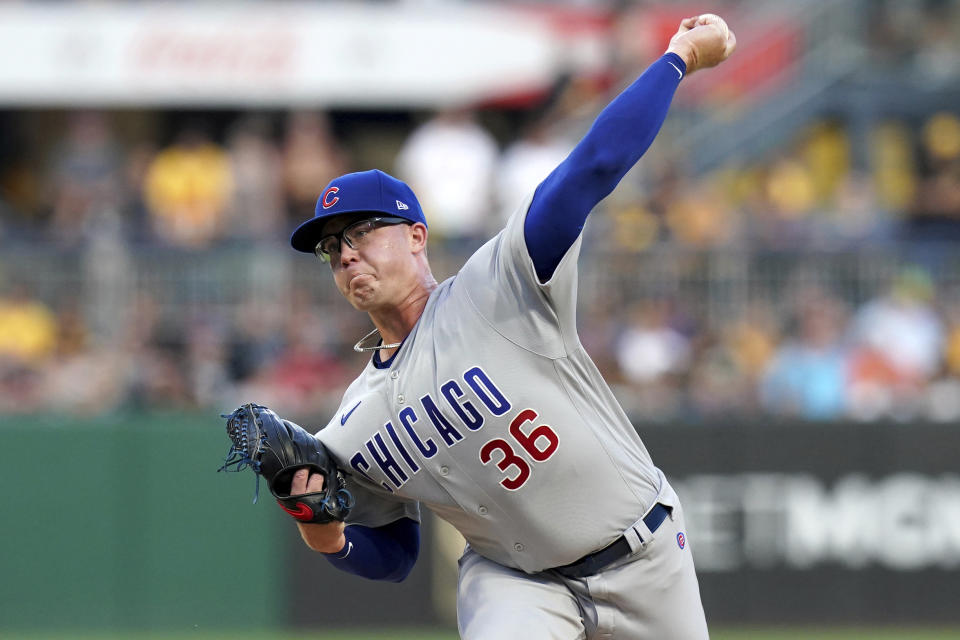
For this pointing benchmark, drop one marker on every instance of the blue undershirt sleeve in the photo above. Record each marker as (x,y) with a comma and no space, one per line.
(379,553)
(620,135)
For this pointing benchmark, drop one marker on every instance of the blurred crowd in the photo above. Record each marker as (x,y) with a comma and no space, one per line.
(813,353)
(113,185)
(894,357)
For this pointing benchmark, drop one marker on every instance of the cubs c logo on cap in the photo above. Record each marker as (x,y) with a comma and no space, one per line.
(332,201)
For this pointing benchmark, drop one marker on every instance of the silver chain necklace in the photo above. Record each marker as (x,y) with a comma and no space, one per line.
(360,349)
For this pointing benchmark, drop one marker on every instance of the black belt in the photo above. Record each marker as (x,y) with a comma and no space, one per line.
(594,562)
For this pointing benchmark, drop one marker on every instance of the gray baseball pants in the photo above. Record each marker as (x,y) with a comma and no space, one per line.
(651,594)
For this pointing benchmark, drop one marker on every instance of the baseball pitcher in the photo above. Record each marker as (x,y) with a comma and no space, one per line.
(480,404)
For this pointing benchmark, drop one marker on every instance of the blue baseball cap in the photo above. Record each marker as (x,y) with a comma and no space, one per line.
(362,192)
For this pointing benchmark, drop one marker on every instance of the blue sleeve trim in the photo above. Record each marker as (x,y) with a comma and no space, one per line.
(379,553)
(620,135)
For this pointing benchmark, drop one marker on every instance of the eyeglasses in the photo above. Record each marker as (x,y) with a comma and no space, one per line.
(355,235)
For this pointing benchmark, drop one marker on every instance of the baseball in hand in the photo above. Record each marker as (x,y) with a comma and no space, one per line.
(712,18)
(703,41)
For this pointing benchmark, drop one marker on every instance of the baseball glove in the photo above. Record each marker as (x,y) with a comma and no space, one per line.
(275,448)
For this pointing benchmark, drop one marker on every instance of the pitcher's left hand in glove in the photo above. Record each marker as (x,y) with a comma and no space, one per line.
(275,449)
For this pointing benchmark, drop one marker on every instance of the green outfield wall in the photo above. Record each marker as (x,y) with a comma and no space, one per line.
(123,523)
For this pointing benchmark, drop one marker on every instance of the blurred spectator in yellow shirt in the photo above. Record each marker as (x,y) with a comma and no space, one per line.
(28,329)
(188,186)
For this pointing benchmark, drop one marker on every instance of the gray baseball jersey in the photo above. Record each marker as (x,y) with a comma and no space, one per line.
(494,417)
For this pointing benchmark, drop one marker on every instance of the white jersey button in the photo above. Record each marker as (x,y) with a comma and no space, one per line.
(482,510)
(401,399)
(518,547)
(444,470)
(394,374)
